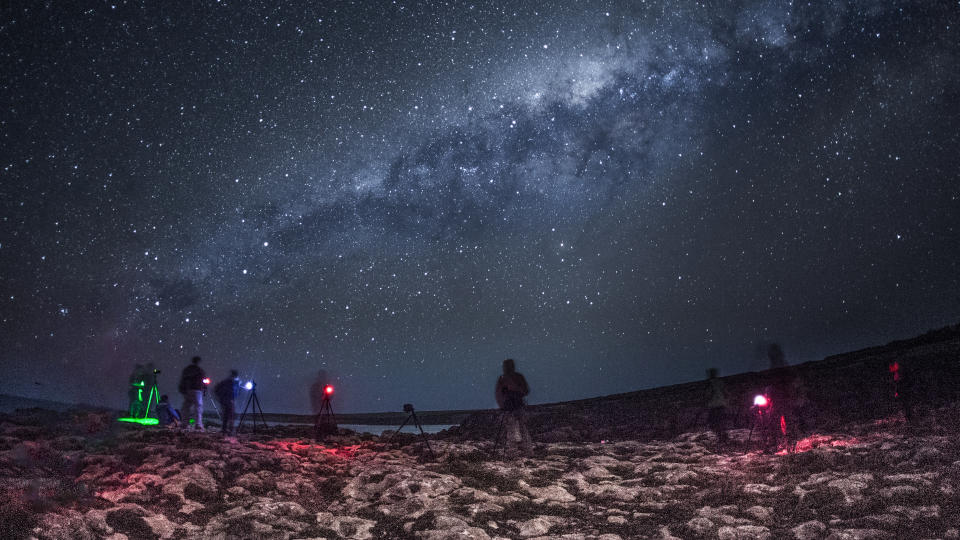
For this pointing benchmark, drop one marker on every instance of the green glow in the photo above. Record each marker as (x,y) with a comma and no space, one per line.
(141,421)
(145,420)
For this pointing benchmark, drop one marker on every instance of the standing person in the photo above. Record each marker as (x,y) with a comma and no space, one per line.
(717,407)
(776,356)
(226,393)
(193,389)
(510,392)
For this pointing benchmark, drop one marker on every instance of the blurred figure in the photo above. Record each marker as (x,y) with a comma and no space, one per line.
(717,407)
(193,389)
(783,424)
(226,393)
(324,422)
(137,391)
(802,409)
(905,387)
(316,391)
(166,414)
(776,356)
(510,392)
(766,420)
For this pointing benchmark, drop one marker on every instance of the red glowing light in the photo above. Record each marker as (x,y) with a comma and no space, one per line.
(895,369)
(761,401)
(328,389)
(206,380)
(783,425)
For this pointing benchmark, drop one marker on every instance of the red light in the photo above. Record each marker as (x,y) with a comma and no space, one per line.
(206,380)
(328,389)
(895,369)
(761,401)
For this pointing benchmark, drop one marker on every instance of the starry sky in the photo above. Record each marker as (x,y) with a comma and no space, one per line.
(616,194)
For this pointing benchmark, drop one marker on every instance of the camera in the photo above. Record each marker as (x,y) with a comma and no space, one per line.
(407,407)
(156,372)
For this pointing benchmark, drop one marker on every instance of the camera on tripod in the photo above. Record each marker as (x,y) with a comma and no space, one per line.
(156,372)
(408,407)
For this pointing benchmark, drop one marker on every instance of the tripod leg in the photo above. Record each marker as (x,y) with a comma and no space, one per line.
(217,409)
(496,441)
(253,410)
(333,419)
(153,392)
(259,409)
(401,427)
(423,434)
(244,414)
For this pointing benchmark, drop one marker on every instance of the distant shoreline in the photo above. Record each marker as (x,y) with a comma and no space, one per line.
(10,403)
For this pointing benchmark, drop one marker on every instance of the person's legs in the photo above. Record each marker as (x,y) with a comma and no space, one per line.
(716,417)
(510,430)
(228,417)
(526,441)
(199,398)
(187,410)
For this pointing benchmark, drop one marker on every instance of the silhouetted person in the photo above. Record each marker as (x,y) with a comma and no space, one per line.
(192,388)
(510,392)
(769,426)
(801,407)
(226,393)
(166,414)
(783,406)
(717,407)
(776,356)
(905,389)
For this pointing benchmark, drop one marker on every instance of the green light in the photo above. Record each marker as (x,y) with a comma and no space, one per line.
(154,398)
(141,421)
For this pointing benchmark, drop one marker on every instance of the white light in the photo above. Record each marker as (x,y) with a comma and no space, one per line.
(248,385)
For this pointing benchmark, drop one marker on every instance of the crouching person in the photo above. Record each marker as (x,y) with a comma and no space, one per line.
(168,416)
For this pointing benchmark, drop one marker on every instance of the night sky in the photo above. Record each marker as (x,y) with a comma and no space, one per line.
(616,194)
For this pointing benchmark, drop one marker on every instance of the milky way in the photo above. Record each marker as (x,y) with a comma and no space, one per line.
(617,195)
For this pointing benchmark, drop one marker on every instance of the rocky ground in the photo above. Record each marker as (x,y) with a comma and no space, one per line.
(83,476)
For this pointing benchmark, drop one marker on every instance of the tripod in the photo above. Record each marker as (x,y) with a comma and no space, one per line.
(497,439)
(139,412)
(254,410)
(214,403)
(325,422)
(416,421)
(517,421)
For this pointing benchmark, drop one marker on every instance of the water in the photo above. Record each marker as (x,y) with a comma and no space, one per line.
(371,429)
(409,428)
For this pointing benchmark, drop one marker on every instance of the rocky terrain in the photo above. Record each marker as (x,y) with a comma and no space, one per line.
(636,465)
(83,476)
